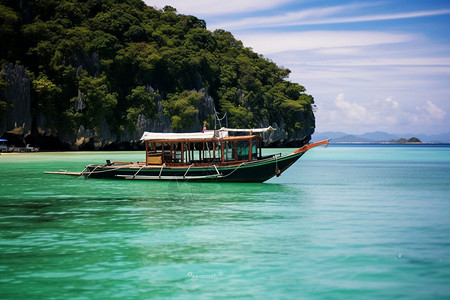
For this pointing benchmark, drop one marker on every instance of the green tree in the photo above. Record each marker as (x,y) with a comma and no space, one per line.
(140,102)
(181,108)
(135,64)
(414,140)
(8,20)
(47,93)
(98,100)
(3,104)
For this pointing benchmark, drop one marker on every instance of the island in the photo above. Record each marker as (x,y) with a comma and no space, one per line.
(84,75)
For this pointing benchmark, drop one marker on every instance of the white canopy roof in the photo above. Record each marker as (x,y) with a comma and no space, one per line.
(160,136)
(207,135)
(256,130)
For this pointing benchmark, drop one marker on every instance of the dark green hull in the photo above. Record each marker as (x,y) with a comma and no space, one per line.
(254,171)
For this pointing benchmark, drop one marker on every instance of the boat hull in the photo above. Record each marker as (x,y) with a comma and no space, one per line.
(254,171)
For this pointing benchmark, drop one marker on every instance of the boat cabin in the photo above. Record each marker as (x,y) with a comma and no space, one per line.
(212,147)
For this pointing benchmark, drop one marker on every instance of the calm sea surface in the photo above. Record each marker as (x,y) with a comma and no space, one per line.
(346,222)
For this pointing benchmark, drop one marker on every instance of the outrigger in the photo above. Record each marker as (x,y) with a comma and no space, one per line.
(232,155)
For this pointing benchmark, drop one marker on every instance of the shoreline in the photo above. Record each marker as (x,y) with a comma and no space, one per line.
(388,143)
(336,143)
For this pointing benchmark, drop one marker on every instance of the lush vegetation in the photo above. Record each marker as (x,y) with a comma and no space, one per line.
(406,141)
(95,59)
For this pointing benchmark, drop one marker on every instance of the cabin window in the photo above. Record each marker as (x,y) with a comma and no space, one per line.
(171,152)
(229,151)
(255,149)
(195,152)
(176,152)
(196,149)
(243,148)
(203,151)
(217,152)
(166,152)
(186,153)
(208,151)
(154,153)
(154,148)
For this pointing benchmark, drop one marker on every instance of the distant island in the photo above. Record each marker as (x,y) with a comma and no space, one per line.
(86,75)
(382,138)
(412,140)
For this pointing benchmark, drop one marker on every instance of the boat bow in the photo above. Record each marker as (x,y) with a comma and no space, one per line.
(309,146)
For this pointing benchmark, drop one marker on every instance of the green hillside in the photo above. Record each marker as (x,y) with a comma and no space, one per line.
(112,51)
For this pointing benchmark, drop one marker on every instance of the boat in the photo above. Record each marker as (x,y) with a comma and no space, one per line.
(225,155)
(3,146)
(6,148)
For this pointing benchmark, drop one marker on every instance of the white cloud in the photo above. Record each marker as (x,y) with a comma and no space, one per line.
(394,61)
(287,19)
(434,112)
(379,114)
(386,104)
(392,102)
(338,51)
(322,16)
(379,111)
(382,17)
(217,7)
(268,43)
(350,110)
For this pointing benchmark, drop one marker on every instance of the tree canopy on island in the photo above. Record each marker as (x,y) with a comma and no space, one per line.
(407,141)
(126,46)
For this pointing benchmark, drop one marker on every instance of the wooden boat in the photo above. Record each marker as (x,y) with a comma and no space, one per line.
(229,155)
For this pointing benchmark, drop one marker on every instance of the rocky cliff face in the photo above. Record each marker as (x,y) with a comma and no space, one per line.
(280,138)
(19,122)
(161,123)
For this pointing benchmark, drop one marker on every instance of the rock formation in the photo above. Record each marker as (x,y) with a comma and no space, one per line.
(17,117)
(18,121)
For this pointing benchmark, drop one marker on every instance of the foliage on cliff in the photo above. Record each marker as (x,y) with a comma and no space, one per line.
(95,59)
(407,141)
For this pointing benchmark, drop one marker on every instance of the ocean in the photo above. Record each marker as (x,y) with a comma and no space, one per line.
(345,222)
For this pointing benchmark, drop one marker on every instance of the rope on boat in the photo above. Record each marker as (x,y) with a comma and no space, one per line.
(277,170)
(233,170)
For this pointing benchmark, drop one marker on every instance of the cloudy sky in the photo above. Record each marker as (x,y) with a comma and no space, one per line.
(370,65)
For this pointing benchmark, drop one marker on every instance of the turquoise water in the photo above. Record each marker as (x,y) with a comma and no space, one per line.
(346,222)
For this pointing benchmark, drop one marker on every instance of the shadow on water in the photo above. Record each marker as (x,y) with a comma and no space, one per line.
(159,203)
(225,192)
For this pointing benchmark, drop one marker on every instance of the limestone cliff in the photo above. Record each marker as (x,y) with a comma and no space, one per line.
(42,131)
(17,114)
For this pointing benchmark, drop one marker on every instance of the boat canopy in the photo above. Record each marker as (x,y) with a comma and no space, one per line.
(255,130)
(207,135)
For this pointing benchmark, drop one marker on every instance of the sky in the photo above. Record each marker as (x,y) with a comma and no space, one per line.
(370,65)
